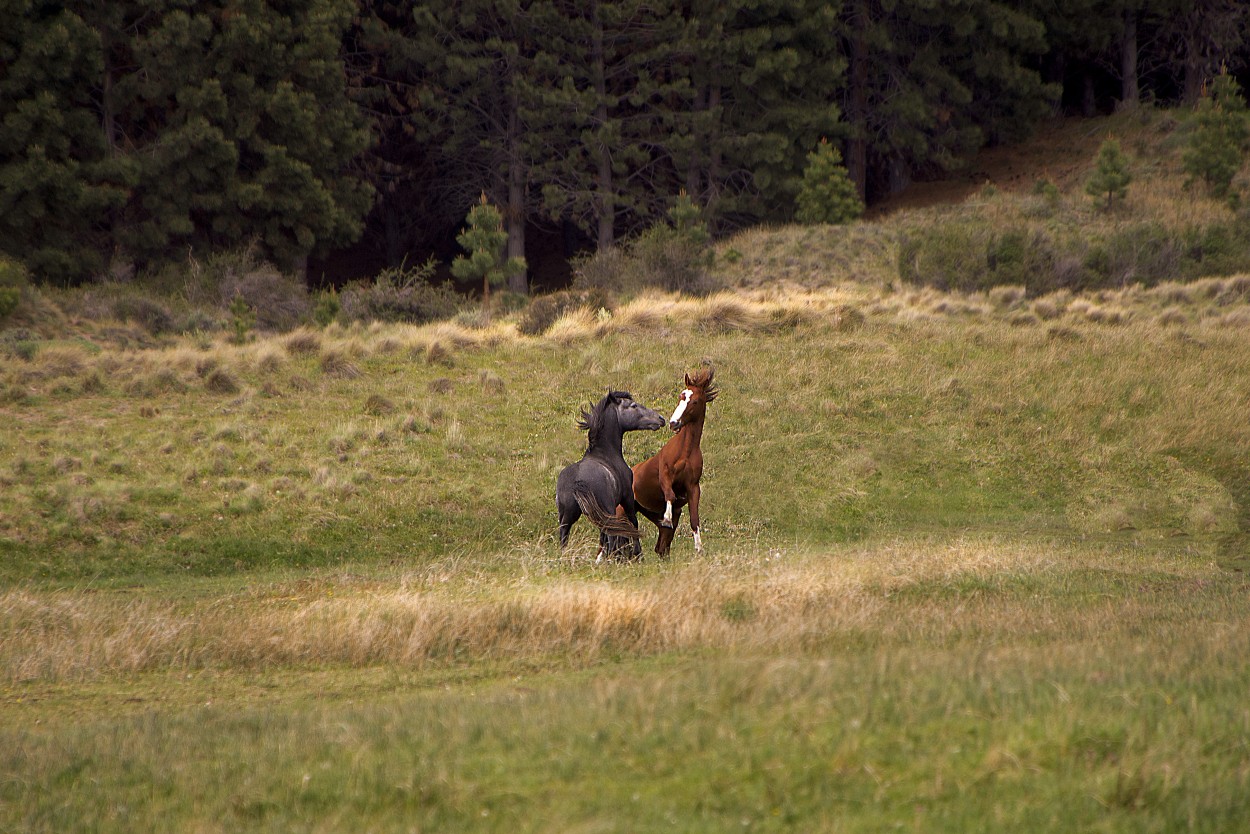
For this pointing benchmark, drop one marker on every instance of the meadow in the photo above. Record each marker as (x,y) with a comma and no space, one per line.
(975,557)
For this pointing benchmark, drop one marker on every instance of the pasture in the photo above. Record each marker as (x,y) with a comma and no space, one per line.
(972,561)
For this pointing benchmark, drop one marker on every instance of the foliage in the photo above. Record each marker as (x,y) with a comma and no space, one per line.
(974,256)
(673,256)
(1111,176)
(827,195)
(215,127)
(326,307)
(1220,133)
(13,278)
(242,319)
(399,294)
(484,238)
(546,310)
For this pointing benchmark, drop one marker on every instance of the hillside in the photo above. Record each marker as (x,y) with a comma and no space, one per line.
(972,554)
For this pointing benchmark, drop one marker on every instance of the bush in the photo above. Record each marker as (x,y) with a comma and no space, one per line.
(400,294)
(674,258)
(152,315)
(1111,175)
(546,310)
(280,302)
(827,194)
(975,257)
(12,278)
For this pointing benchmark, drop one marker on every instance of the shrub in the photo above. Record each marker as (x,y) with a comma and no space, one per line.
(279,302)
(326,308)
(827,194)
(1111,175)
(673,256)
(546,310)
(400,294)
(1217,143)
(975,257)
(12,278)
(147,312)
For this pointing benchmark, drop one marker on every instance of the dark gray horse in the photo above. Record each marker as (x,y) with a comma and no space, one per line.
(601,481)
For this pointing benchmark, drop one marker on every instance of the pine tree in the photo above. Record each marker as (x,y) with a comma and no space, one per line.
(57,180)
(931,82)
(827,195)
(484,239)
(1218,141)
(1111,175)
(144,127)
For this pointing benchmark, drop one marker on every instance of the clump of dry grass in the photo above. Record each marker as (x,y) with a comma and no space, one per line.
(723,313)
(222,381)
(436,353)
(335,363)
(491,382)
(573,326)
(303,342)
(378,405)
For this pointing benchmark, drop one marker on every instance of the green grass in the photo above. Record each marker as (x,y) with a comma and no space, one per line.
(1055,699)
(975,561)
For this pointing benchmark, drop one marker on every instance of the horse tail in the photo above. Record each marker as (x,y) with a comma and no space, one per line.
(610,523)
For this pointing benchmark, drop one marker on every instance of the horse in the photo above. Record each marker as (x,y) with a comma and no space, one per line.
(667,481)
(602,479)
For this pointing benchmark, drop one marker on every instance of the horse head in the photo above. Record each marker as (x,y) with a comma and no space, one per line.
(692,405)
(630,415)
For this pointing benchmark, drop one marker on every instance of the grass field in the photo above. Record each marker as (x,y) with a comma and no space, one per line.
(975,561)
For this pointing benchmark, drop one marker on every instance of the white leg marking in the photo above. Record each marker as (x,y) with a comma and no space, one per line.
(599,558)
(698,542)
(667,521)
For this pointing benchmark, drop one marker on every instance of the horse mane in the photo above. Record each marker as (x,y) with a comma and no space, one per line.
(702,378)
(592,420)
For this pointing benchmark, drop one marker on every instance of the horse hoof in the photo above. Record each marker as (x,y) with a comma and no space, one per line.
(664,522)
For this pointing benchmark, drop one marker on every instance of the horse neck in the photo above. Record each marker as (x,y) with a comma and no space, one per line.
(690,435)
(609,439)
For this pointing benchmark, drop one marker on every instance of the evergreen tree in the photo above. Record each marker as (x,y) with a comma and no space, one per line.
(932,81)
(1111,175)
(1220,128)
(765,77)
(484,239)
(147,126)
(57,180)
(827,195)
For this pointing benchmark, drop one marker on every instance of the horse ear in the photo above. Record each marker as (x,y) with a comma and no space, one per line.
(689,384)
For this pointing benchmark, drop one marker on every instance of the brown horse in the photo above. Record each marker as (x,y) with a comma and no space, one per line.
(666,482)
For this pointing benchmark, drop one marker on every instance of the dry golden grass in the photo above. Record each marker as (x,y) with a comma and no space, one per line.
(750,600)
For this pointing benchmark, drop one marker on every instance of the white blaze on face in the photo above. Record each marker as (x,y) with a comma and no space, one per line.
(681,407)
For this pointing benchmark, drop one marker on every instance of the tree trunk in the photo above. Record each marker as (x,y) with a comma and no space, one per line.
(605,237)
(1089,98)
(857,144)
(1130,96)
(715,155)
(514,211)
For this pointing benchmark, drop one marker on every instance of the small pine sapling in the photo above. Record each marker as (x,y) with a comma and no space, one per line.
(1111,175)
(827,194)
(484,238)
(1220,133)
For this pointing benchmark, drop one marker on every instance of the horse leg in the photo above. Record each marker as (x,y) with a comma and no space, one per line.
(666,486)
(568,514)
(631,512)
(694,517)
(654,518)
(667,534)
